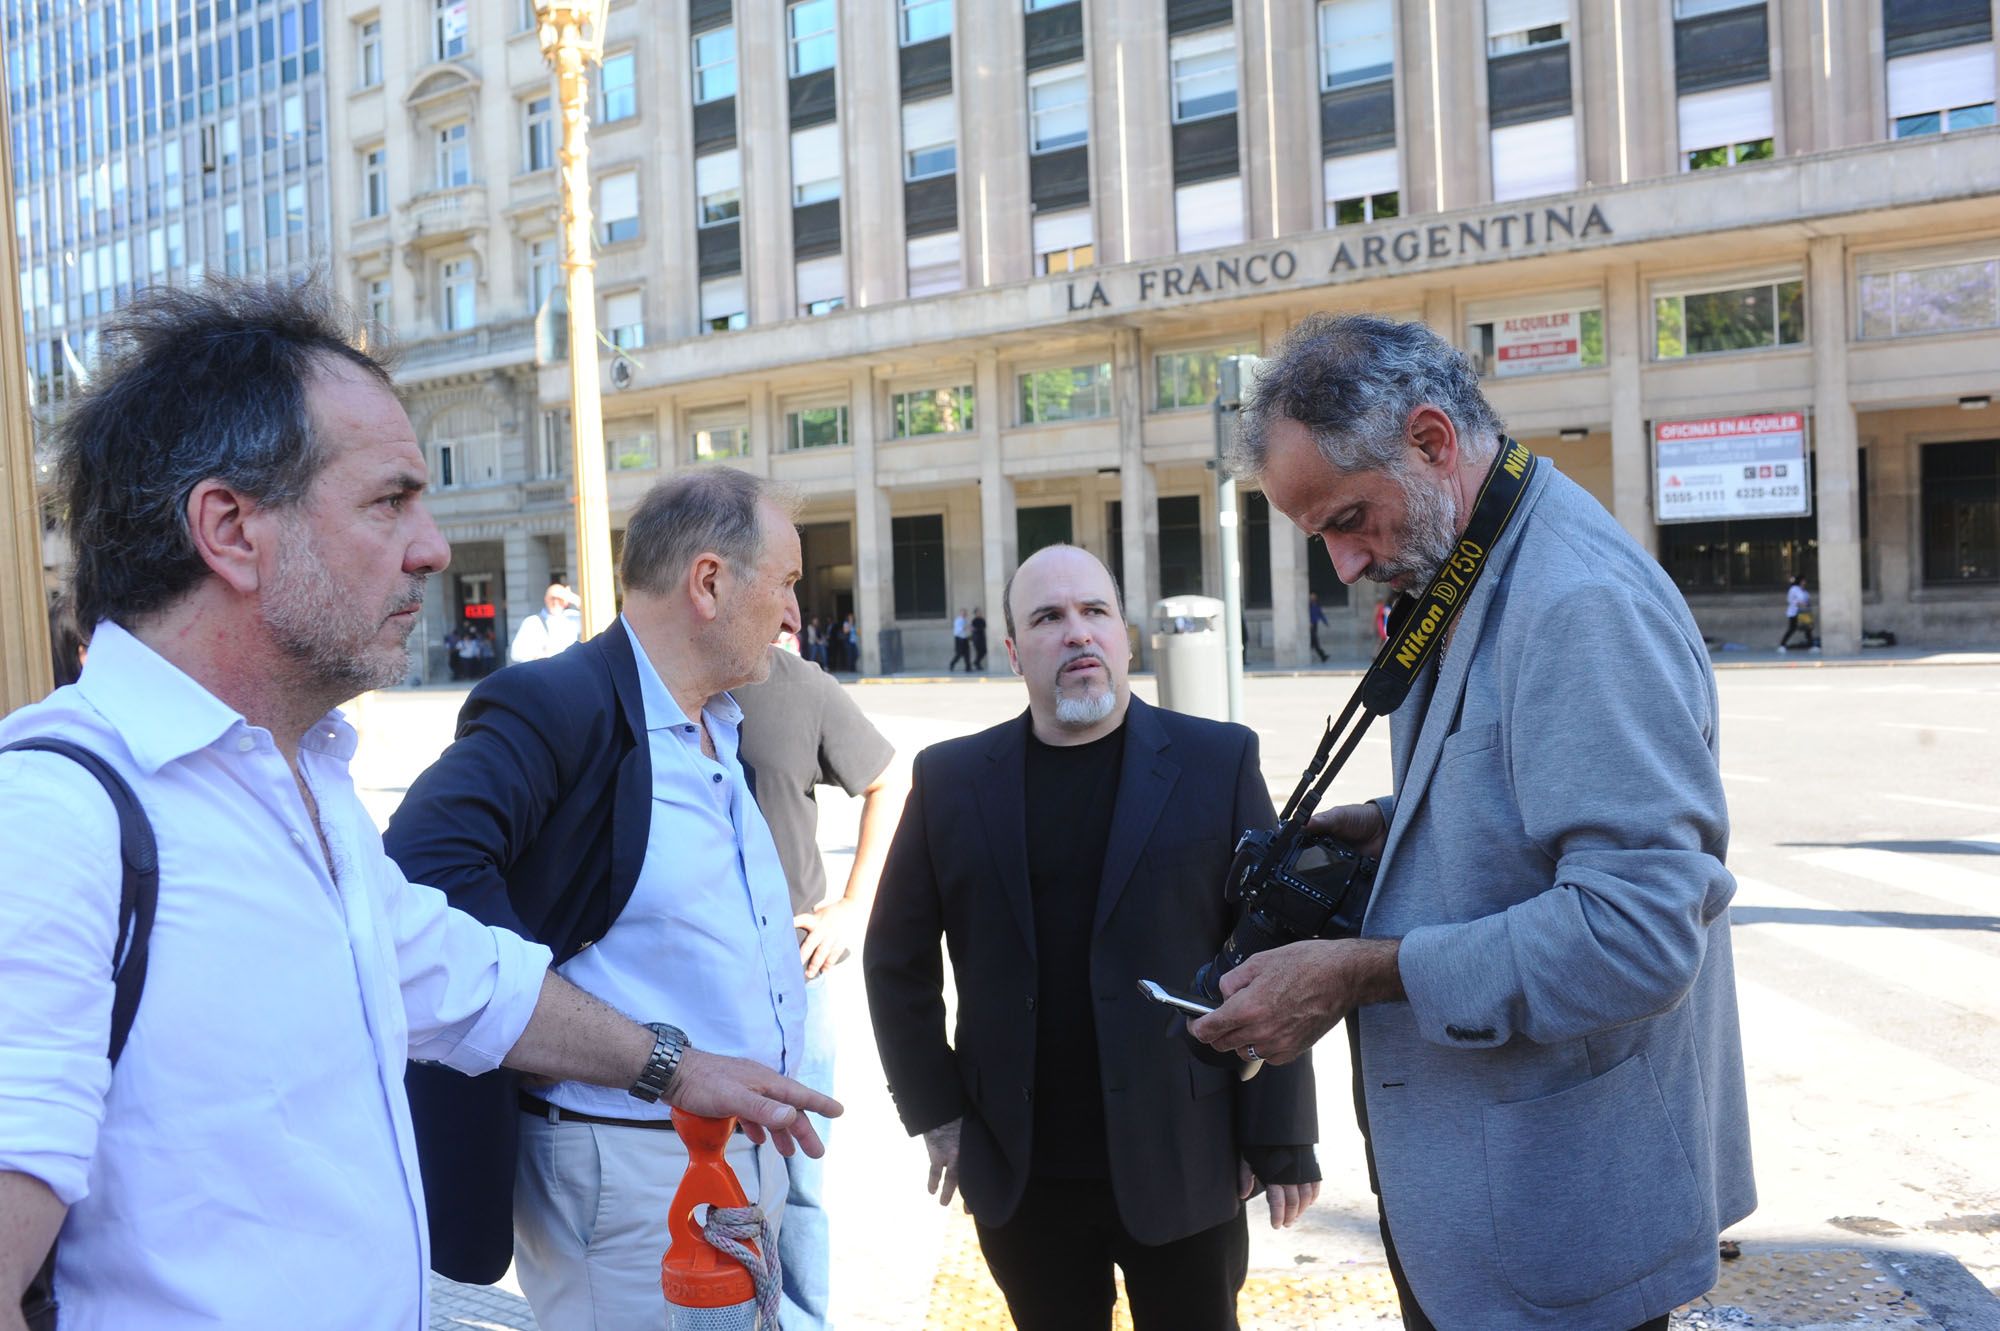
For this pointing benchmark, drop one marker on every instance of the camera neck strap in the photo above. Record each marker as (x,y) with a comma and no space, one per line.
(1418,625)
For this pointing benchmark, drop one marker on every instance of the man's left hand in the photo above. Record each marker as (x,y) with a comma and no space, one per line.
(1279,1003)
(830,934)
(1288,1201)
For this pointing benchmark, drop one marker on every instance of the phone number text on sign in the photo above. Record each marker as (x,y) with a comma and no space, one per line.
(1732,467)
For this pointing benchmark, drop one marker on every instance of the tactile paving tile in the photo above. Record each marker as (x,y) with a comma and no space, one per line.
(1806,1289)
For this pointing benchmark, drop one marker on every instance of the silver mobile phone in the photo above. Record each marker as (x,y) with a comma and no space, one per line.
(1159,993)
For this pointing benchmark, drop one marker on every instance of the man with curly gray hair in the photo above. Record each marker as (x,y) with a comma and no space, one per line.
(1541,1003)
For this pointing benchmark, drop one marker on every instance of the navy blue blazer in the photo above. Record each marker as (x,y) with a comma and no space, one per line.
(535,818)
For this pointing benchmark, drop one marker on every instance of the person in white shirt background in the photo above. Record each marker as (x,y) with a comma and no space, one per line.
(1798,614)
(556,626)
(243,497)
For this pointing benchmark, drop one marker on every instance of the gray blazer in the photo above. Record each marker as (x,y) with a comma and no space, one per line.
(1557,1114)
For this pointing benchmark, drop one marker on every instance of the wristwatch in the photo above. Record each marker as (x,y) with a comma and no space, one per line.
(669,1043)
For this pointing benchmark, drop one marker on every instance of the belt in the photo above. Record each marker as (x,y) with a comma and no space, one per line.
(540,1108)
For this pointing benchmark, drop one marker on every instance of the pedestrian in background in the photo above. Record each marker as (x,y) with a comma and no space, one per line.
(1798,614)
(851,637)
(243,498)
(553,628)
(961,642)
(1315,618)
(978,639)
(801,730)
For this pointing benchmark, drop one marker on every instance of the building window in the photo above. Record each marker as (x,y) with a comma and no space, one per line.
(459,303)
(630,445)
(718,434)
(448,29)
(1204,74)
(1537,341)
(1070,393)
(1357,42)
(1180,545)
(1726,126)
(378,298)
(810,25)
(538,150)
(932,411)
(1063,242)
(1188,378)
(936,264)
(1362,187)
(454,155)
(544,271)
(1254,550)
(925,20)
(816,427)
(375,182)
(619,98)
(1042,525)
(1534,159)
(1209,215)
(1523,25)
(917,555)
(1058,108)
(625,320)
(715,65)
(1036,5)
(368,52)
(1936,92)
(618,207)
(1758,555)
(1937,297)
(1695,323)
(724,305)
(930,138)
(552,445)
(822,285)
(1961,512)
(815,164)
(718,187)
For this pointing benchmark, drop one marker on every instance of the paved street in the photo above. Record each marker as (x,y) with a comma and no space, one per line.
(1866,803)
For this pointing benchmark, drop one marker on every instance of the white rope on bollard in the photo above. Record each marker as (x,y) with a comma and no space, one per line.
(730,1230)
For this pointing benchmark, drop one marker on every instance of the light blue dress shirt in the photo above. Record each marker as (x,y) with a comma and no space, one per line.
(706,941)
(250,1160)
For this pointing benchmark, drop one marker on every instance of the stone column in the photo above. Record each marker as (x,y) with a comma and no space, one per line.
(992,92)
(1289,639)
(1836,465)
(1136,491)
(874,571)
(872,158)
(1131,137)
(524,568)
(998,540)
(764,132)
(1631,449)
(766,431)
(1280,108)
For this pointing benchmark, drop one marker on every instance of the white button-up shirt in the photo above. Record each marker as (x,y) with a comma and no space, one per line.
(249,1162)
(706,942)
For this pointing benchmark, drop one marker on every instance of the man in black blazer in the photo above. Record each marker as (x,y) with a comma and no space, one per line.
(1062,857)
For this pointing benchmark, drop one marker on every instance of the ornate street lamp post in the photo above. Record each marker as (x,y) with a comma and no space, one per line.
(572,33)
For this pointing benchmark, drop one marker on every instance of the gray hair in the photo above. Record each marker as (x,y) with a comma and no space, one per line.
(200,384)
(715,510)
(1352,381)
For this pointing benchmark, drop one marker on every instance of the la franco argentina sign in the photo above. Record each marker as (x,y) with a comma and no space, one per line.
(1384,250)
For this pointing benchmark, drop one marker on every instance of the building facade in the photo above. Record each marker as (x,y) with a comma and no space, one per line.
(155,141)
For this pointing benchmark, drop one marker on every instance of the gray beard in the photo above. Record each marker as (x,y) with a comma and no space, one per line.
(314,623)
(1085,712)
(1430,531)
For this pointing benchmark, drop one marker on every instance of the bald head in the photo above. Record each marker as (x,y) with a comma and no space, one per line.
(1062,553)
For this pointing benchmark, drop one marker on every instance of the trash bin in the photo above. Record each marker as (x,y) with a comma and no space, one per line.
(1191,656)
(891,643)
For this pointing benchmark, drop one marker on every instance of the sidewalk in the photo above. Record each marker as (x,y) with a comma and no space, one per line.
(1815,1289)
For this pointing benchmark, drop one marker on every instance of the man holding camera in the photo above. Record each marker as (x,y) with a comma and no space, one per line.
(1549,1072)
(1063,857)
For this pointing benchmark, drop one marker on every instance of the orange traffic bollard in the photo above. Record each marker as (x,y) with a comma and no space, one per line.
(706,1289)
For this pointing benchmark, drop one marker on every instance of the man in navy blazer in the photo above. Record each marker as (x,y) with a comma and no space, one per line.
(1062,857)
(1542,1000)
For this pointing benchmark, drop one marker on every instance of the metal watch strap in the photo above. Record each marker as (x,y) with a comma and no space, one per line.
(669,1043)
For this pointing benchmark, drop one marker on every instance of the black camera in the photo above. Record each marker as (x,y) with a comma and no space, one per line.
(1292,885)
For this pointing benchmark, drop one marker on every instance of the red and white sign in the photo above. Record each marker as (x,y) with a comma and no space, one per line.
(1535,342)
(1732,467)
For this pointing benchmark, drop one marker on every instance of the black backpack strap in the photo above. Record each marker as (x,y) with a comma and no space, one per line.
(138,897)
(138,893)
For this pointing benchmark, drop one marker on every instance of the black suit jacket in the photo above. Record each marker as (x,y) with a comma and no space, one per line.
(535,818)
(958,868)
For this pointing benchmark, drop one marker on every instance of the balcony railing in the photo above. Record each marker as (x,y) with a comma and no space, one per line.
(494,339)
